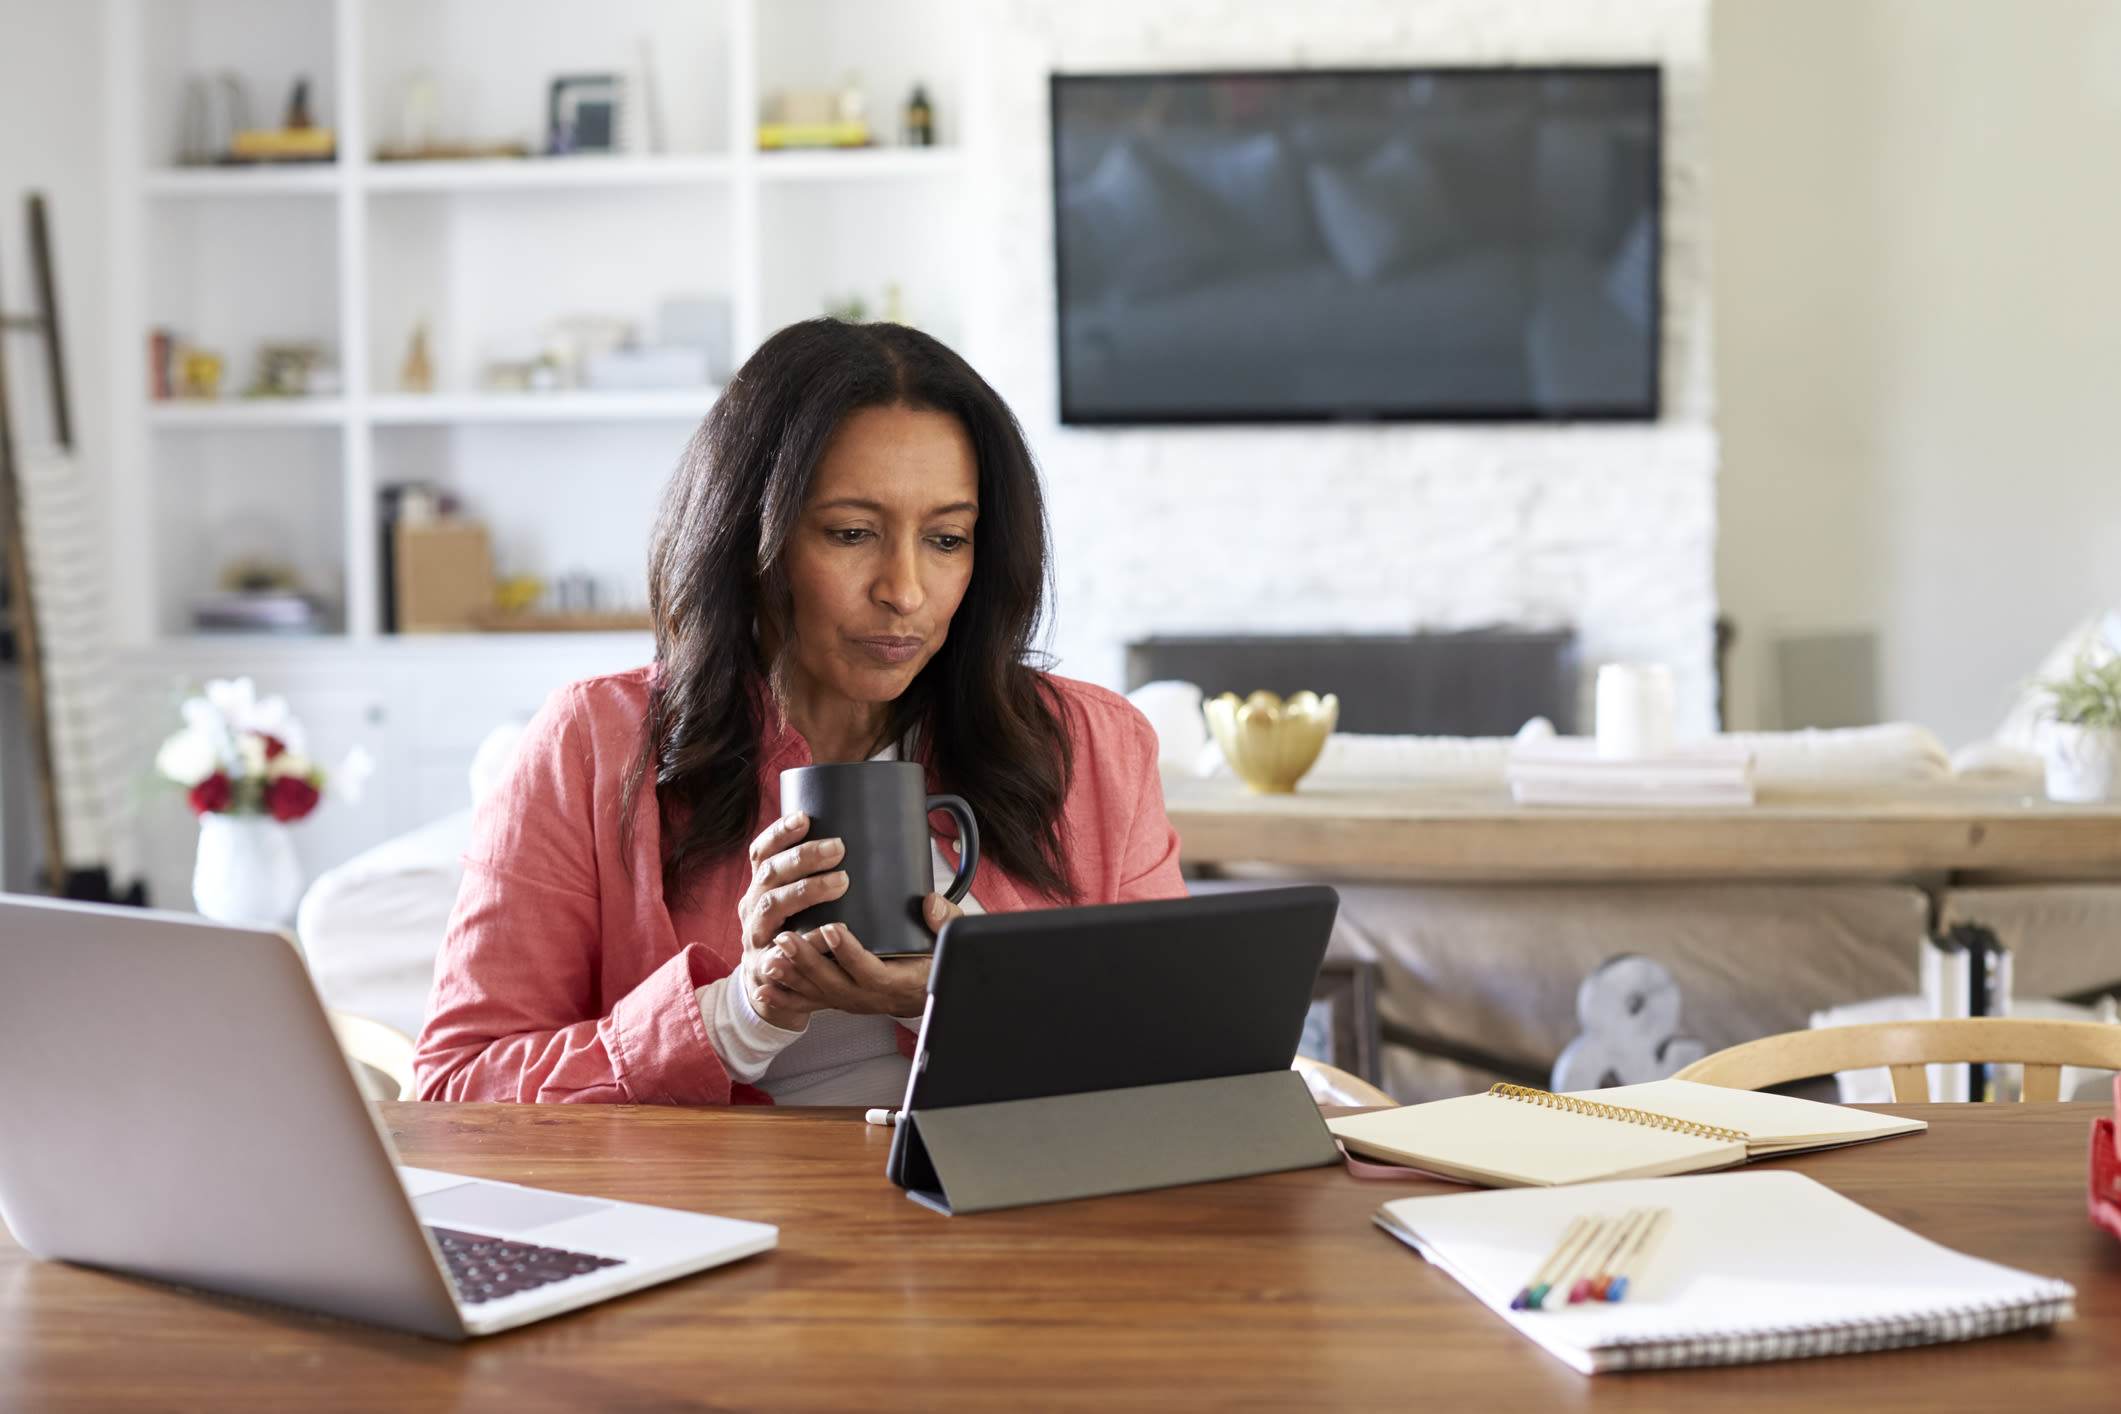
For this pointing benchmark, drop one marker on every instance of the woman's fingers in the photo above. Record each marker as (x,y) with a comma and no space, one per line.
(778,836)
(938,911)
(797,961)
(774,986)
(829,969)
(776,906)
(794,898)
(809,857)
(894,986)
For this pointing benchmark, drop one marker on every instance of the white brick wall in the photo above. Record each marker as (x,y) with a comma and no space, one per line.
(1380,528)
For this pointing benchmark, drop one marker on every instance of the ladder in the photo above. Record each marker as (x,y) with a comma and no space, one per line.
(19,615)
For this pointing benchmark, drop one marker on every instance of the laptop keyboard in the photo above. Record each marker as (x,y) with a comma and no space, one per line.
(488,1268)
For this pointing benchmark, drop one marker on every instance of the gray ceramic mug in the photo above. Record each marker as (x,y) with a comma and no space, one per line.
(880,810)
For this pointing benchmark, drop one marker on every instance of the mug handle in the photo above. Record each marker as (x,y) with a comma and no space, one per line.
(967,843)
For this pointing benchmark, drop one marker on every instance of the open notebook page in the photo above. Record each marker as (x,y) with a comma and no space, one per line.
(1509,1143)
(1772,1124)
(1764,1264)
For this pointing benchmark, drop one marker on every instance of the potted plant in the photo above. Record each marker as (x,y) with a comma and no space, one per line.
(245,774)
(2084,729)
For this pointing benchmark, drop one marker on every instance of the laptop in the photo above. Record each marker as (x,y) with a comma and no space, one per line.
(173,1105)
(1118,997)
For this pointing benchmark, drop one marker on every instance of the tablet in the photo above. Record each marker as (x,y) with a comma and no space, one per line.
(1061,1001)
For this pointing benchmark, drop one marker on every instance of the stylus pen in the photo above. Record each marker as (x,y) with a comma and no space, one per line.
(883,1117)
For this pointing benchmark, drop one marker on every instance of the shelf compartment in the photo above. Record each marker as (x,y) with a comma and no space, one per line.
(261,493)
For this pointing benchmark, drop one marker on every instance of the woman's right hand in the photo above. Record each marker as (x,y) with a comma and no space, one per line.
(788,875)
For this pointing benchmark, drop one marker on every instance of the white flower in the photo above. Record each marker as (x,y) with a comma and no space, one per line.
(250,751)
(273,718)
(289,763)
(237,703)
(188,757)
(236,699)
(202,717)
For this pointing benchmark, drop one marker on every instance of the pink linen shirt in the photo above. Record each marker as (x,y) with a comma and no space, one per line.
(564,975)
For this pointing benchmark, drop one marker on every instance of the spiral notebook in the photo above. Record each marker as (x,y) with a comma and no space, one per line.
(1514,1136)
(1766,1265)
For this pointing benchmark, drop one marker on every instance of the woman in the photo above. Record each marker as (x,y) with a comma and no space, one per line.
(849,563)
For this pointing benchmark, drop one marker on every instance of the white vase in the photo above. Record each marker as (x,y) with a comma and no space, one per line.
(2080,762)
(247,871)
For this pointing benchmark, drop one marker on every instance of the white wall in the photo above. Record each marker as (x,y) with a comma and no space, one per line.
(51,140)
(1608,528)
(1919,321)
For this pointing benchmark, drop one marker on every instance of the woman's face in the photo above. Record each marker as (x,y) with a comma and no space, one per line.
(882,554)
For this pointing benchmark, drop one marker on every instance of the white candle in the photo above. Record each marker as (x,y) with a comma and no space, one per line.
(1634,711)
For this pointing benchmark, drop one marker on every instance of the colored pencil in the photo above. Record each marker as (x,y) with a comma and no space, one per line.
(1579,1231)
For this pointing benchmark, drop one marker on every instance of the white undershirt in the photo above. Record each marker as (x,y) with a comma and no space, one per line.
(837,1059)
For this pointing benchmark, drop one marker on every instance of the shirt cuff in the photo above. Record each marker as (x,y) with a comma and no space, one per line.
(746,1041)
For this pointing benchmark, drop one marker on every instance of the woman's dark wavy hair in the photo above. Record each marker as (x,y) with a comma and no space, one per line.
(988,727)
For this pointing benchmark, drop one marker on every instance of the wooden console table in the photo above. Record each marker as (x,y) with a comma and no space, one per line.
(1931,834)
(1263,1293)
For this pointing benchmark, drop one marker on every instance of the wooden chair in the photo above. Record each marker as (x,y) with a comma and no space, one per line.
(1330,1085)
(2043,1047)
(383,1052)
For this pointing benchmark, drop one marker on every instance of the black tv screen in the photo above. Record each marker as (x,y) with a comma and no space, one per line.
(1365,244)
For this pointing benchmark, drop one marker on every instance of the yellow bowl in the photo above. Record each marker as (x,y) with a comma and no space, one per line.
(1268,742)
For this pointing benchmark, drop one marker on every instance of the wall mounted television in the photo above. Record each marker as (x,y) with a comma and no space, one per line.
(1311,245)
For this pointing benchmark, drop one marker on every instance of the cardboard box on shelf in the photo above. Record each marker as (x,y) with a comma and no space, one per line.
(444,575)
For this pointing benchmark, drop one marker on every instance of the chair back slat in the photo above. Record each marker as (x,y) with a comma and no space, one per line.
(383,1049)
(2042,1082)
(2043,1047)
(1911,1084)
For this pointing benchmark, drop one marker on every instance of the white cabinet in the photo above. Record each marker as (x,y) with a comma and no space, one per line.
(356,254)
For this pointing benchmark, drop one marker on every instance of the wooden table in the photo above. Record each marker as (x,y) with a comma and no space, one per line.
(1947,832)
(1265,1293)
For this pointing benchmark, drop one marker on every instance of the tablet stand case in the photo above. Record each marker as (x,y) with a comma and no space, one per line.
(976,1158)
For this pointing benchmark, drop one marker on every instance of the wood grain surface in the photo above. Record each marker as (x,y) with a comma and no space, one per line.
(1467,834)
(1262,1293)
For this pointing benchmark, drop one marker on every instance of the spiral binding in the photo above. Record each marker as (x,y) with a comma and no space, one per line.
(1652,1351)
(1547,1098)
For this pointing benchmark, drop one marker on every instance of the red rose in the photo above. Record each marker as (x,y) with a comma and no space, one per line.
(210,794)
(289,798)
(273,745)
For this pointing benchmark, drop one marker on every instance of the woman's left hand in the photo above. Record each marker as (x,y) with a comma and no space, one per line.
(828,968)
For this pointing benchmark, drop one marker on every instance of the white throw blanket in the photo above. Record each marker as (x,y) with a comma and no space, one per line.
(1884,754)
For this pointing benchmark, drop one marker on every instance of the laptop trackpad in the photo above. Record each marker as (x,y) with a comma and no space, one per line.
(502,1208)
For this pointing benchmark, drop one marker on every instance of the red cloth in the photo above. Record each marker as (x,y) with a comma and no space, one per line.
(563,976)
(2103,1196)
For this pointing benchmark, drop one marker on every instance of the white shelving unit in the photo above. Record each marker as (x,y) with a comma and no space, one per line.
(357,253)
(354,254)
